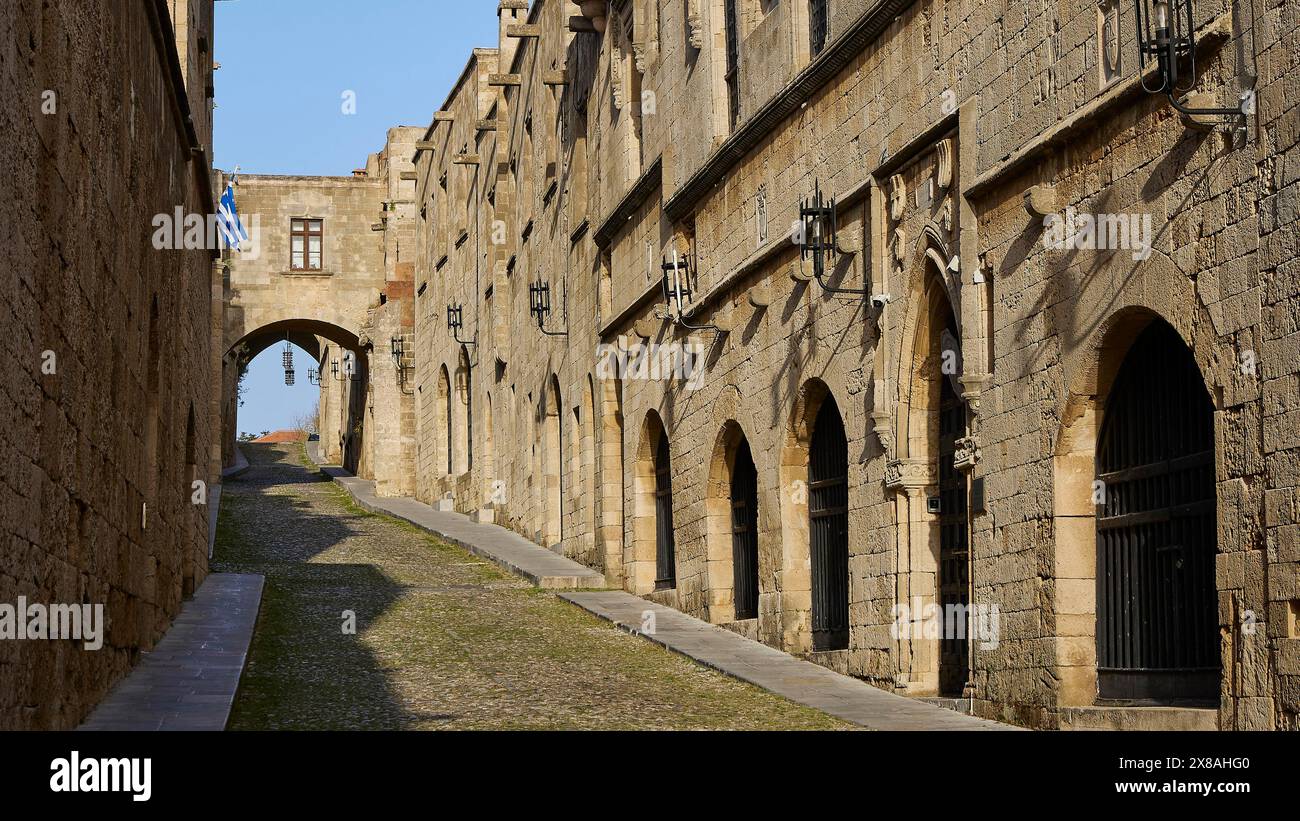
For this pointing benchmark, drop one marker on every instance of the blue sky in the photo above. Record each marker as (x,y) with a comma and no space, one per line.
(285,66)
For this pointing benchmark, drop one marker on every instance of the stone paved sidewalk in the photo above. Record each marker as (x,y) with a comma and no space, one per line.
(800,681)
(542,567)
(189,680)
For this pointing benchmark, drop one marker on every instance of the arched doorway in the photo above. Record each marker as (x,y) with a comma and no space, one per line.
(552,469)
(665,541)
(828,526)
(1157,619)
(930,501)
(463,417)
(954,544)
(611,481)
(492,498)
(335,396)
(744,532)
(443,437)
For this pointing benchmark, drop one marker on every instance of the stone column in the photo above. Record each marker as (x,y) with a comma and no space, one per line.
(912,481)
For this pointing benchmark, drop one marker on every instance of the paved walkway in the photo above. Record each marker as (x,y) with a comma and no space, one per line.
(802,681)
(189,680)
(542,567)
(372,623)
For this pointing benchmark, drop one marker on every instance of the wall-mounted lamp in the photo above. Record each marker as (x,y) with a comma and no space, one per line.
(819,227)
(347,372)
(677,283)
(1167,34)
(398,349)
(539,306)
(677,287)
(455,322)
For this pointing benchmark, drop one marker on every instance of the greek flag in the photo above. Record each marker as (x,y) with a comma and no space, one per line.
(232,230)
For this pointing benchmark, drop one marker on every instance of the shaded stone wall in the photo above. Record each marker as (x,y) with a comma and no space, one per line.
(101,444)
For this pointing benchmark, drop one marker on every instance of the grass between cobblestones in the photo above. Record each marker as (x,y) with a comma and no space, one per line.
(443,639)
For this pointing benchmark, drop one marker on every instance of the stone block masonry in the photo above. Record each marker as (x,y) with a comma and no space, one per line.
(957,410)
(106,393)
(971,373)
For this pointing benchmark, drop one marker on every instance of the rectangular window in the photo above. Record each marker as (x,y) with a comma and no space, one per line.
(818,27)
(733,64)
(305,245)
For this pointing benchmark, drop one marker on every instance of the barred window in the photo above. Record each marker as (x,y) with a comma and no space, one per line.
(818,26)
(733,65)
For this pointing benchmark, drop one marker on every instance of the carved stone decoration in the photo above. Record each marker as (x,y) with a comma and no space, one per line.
(897,197)
(616,58)
(899,246)
(943,164)
(1108,40)
(645,33)
(883,427)
(966,453)
(945,218)
(695,20)
(910,474)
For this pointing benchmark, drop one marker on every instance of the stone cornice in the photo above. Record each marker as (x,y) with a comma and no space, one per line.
(640,190)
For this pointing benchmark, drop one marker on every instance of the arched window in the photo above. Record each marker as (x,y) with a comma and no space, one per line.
(552,472)
(462,418)
(818,26)
(665,541)
(828,525)
(744,532)
(443,420)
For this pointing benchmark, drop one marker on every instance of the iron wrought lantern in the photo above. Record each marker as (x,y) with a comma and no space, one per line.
(819,226)
(1166,35)
(455,322)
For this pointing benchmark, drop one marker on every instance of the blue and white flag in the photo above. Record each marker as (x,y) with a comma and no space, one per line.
(232,230)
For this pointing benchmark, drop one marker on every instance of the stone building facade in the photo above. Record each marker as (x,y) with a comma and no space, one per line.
(329,267)
(954,406)
(107,401)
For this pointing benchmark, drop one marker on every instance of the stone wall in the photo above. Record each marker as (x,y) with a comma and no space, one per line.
(929,123)
(105,402)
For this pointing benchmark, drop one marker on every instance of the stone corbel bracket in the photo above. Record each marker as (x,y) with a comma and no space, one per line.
(645,35)
(1042,201)
(595,11)
(695,22)
(882,422)
(967,453)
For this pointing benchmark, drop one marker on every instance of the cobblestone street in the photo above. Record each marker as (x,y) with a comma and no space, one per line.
(443,639)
